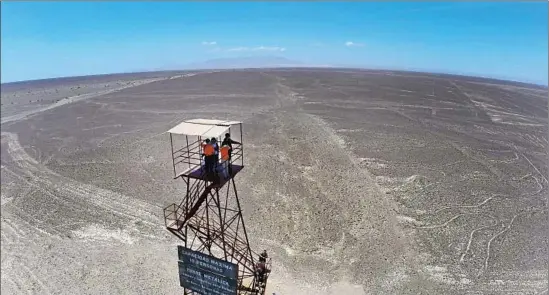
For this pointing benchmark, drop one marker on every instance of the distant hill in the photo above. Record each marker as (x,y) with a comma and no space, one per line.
(246,63)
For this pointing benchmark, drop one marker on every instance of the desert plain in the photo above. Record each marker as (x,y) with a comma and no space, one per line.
(356,181)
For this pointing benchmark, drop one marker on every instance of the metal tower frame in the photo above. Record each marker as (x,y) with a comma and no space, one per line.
(209,219)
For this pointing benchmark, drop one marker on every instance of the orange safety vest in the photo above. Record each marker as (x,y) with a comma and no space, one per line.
(225,153)
(208,149)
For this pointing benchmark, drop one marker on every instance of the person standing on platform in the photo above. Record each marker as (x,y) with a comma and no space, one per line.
(215,145)
(203,155)
(224,151)
(209,157)
(229,142)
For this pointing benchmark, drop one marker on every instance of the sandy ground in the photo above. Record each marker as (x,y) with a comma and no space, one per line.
(357,182)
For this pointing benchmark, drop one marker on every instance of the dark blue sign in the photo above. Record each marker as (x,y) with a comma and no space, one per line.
(206,274)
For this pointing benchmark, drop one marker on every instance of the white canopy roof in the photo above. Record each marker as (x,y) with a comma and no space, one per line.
(203,127)
(213,122)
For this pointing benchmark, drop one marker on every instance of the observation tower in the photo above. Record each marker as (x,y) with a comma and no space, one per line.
(216,257)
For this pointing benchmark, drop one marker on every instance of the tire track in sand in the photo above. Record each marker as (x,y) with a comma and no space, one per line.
(80,194)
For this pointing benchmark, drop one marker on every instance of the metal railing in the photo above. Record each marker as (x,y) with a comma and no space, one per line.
(191,157)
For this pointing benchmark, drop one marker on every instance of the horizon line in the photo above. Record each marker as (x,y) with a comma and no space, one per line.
(296,66)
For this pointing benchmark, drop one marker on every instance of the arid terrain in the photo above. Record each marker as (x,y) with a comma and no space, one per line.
(356,182)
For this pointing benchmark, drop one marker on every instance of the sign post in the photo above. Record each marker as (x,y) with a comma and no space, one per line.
(205,274)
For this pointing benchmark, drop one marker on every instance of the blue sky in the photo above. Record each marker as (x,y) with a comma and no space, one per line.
(52,39)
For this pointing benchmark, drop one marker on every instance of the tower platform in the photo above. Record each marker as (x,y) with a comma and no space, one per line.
(199,174)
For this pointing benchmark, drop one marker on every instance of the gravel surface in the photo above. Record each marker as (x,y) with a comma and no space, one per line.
(357,182)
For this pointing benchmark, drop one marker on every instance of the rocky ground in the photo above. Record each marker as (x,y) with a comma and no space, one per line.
(358,182)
